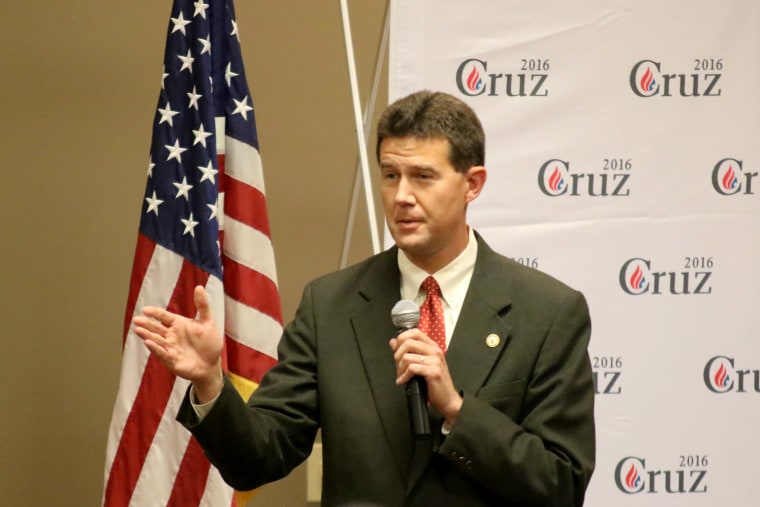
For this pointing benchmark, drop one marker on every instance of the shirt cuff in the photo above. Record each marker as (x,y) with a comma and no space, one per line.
(201,409)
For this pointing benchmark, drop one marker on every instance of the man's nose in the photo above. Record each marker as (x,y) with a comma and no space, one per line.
(405,192)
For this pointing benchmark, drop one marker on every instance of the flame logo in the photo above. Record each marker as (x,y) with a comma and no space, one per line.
(637,279)
(474,82)
(556,181)
(721,376)
(730,179)
(632,478)
(647,81)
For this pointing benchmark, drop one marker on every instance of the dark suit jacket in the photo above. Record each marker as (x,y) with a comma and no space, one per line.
(525,434)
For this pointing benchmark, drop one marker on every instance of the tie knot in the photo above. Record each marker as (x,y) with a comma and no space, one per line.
(430,286)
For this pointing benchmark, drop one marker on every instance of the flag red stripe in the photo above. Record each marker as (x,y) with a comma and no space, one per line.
(220,175)
(182,301)
(139,430)
(143,254)
(245,204)
(155,389)
(247,362)
(251,288)
(187,488)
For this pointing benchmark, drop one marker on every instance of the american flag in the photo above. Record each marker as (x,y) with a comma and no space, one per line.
(204,222)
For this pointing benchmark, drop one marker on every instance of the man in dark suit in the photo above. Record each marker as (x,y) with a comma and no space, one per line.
(509,385)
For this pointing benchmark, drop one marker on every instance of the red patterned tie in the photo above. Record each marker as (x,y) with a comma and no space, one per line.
(431,313)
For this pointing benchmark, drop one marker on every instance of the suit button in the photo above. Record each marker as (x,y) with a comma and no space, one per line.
(453,456)
(468,465)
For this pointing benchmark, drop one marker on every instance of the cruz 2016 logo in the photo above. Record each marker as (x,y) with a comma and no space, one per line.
(647,79)
(606,373)
(729,177)
(555,178)
(473,79)
(637,277)
(632,476)
(721,376)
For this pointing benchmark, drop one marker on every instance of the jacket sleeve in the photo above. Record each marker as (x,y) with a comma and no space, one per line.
(547,459)
(264,439)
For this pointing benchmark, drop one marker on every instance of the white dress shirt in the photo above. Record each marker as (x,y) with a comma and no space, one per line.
(454,280)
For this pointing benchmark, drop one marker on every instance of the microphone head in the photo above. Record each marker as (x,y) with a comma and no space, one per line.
(405,314)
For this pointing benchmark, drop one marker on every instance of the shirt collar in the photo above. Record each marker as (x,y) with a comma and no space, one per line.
(454,278)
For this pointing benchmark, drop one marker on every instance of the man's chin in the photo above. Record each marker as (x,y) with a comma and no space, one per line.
(410,245)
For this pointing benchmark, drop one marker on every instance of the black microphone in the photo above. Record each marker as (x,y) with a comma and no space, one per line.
(406,315)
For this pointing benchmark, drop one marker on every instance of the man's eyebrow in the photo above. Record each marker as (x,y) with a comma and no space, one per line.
(419,167)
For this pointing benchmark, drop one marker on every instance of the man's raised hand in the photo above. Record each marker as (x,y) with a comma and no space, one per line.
(189,348)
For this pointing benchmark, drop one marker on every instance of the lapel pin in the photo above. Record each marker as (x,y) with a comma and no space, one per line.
(492,340)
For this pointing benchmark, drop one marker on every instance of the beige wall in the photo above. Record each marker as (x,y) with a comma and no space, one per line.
(78,88)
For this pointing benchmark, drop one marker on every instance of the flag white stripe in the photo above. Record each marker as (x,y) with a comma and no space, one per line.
(220,210)
(215,293)
(220,137)
(217,491)
(252,328)
(243,163)
(157,287)
(249,247)
(154,486)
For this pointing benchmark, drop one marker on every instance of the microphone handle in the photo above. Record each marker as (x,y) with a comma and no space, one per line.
(416,402)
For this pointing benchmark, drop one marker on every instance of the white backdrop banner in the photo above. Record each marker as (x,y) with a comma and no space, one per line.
(623,148)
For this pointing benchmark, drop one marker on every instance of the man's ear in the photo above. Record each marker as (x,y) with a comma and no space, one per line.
(476,179)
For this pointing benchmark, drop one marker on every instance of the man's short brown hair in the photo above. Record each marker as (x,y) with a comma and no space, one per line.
(430,115)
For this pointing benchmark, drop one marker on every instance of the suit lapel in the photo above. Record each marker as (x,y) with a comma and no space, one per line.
(378,291)
(471,355)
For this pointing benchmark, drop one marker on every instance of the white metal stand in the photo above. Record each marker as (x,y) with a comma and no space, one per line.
(363,127)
